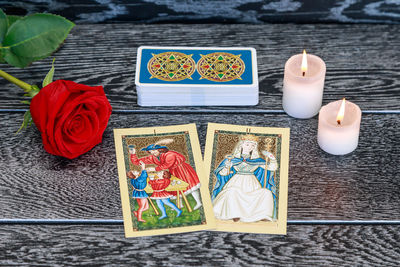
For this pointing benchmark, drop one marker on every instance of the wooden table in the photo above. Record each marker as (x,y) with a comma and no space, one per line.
(342,210)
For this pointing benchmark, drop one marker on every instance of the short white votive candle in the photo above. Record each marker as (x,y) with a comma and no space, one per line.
(339,138)
(302,95)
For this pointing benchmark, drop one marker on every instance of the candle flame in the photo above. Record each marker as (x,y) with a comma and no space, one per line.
(304,63)
(340,114)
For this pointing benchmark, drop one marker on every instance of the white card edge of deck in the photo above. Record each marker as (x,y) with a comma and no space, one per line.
(184,102)
(189,86)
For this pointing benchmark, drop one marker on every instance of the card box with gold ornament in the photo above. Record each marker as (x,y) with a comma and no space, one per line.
(199,76)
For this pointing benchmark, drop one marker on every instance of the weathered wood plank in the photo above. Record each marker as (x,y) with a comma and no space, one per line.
(361,186)
(247,11)
(362,62)
(319,245)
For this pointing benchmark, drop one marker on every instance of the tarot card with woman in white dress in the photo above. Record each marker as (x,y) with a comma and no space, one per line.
(247,168)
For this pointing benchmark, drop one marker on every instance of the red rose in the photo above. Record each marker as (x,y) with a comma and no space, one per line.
(71,117)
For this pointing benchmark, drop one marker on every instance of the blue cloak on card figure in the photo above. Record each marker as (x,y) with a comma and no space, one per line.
(244,190)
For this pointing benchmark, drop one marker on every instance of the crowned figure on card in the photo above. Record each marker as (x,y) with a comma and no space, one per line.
(245,187)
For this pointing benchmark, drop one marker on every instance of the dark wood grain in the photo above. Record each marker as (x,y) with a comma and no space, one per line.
(60,245)
(244,11)
(362,62)
(359,192)
(363,185)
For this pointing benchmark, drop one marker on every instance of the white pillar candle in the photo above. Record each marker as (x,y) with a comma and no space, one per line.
(338,131)
(303,85)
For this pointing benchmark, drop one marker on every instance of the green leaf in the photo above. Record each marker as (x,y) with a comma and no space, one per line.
(10,58)
(34,37)
(3,25)
(12,18)
(27,121)
(26,102)
(49,77)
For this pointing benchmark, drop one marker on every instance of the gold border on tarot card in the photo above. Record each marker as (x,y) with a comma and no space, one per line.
(205,195)
(261,227)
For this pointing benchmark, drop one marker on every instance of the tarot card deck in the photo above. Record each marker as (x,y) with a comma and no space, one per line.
(196,76)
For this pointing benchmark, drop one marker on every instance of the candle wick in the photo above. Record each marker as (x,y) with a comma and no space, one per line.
(338,122)
(304,73)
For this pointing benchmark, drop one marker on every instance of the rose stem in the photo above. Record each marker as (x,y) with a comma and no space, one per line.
(27,87)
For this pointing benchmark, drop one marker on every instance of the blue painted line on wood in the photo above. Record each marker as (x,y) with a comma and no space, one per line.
(60,221)
(200,111)
(120,222)
(207,111)
(344,222)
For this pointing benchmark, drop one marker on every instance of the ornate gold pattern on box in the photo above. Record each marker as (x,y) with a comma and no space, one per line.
(171,66)
(220,67)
